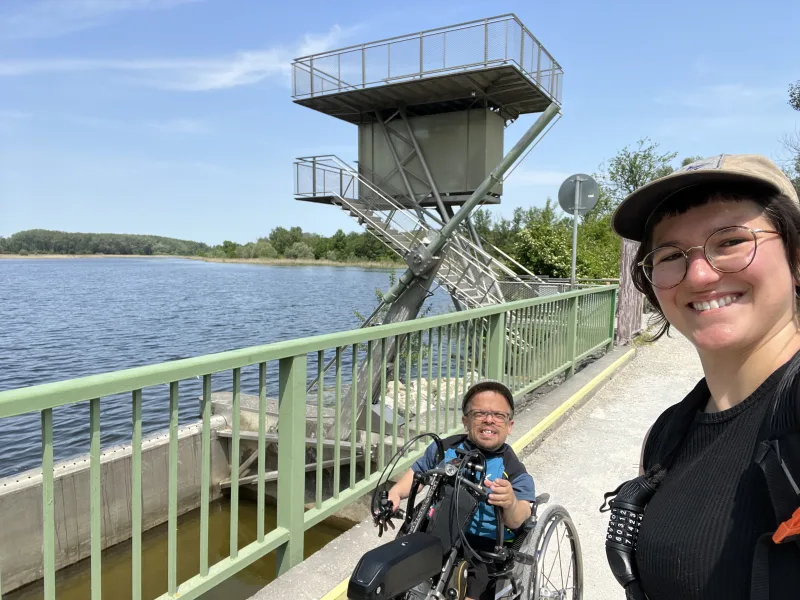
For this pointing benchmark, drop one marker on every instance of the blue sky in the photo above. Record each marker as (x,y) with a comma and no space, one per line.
(175,117)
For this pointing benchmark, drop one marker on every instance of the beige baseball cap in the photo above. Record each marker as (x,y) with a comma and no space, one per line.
(630,217)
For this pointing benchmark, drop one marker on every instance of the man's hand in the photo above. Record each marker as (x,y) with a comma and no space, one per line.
(515,513)
(394,498)
(502,494)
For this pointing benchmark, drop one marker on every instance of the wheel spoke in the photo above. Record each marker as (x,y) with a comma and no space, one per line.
(560,560)
(574,558)
(554,561)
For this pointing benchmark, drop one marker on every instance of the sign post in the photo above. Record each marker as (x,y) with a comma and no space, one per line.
(577,195)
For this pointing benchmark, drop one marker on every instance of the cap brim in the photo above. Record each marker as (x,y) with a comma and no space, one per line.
(630,218)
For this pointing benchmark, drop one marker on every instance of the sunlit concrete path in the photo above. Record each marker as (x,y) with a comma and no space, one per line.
(599,446)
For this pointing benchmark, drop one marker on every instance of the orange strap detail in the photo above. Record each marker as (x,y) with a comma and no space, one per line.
(788,530)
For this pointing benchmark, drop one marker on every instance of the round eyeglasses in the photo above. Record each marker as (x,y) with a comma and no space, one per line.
(483,415)
(727,250)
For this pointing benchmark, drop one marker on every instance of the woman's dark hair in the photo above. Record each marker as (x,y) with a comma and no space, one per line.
(782,212)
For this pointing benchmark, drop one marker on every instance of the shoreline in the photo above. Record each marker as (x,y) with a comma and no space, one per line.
(282,262)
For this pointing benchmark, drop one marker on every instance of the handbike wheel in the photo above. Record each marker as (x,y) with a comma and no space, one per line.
(558,571)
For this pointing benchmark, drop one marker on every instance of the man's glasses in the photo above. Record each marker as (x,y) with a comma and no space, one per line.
(727,250)
(483,415)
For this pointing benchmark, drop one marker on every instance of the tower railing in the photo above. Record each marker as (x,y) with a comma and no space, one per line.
(402,230)
(473,45)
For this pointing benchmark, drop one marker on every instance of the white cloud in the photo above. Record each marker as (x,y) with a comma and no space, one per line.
(242,68)
(174,126)
(53,18)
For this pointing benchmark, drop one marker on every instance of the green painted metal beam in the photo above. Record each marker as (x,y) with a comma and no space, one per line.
(96,500)
(136,495)
(228,567)
(48,509)
(496,347)
(291,458)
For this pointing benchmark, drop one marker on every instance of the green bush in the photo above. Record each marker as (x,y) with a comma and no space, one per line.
(264,249)
(299,250)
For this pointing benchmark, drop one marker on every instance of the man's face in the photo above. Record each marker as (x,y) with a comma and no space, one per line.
(485,426)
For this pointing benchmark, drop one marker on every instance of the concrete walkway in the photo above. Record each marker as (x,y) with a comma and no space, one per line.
(588,452)
(598,446)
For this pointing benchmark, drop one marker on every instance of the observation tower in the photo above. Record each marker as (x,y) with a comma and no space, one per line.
(431,109)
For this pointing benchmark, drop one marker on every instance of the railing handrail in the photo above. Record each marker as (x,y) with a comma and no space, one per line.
(344,167)
(552,66)
(50,395)
(423,33)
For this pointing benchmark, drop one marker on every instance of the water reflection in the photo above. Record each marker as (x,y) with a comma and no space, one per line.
(74,583)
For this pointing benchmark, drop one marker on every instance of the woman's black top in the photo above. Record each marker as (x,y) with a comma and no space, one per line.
(700,529)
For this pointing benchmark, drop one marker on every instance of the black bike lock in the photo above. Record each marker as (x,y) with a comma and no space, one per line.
(627,511)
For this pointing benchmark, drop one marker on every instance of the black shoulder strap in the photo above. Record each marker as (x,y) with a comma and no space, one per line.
(674,434)
(777,453)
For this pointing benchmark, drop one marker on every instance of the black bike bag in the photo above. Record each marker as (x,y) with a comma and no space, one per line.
(395,567)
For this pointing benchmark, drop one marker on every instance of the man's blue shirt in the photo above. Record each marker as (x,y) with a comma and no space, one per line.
(500,464)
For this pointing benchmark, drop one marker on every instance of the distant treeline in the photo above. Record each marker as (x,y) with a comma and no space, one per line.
(280,243)
(43,241)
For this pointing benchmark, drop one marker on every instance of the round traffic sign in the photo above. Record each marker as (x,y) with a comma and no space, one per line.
(581,189)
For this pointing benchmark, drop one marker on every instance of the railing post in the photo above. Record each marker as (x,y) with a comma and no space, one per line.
(291,458)
(572,339)
(496,347)
(311,67)
(539,66)
(314,176)
(486,43)
(611,319)
(421,64)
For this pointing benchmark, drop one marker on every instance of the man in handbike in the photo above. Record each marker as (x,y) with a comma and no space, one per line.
(488,412)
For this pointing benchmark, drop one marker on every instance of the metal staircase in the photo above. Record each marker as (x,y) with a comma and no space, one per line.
(471,275)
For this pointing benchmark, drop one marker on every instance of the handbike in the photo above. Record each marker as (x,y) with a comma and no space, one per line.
(429,556)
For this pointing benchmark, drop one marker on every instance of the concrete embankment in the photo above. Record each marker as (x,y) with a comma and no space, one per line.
(21,500)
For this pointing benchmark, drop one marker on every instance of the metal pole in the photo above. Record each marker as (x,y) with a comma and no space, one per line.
(495,177)
(409,190)
(575,229)
(424,164)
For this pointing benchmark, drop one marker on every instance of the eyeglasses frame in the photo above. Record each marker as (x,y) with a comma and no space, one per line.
(685,253)
(508,416)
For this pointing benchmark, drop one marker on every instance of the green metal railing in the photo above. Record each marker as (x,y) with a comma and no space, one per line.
(525,343)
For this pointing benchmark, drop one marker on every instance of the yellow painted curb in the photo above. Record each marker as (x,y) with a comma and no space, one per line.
(338,593)
(545,423)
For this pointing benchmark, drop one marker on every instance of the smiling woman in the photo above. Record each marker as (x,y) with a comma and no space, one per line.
(719,260)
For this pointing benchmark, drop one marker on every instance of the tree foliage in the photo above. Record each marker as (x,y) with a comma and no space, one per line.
(630,169)
(299,250)
(280,243)
(794,95)
(43,241)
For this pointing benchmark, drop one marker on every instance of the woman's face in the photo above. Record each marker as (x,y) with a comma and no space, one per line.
(763,293)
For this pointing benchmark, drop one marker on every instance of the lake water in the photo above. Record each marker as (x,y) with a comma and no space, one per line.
(61,319)
(65,318)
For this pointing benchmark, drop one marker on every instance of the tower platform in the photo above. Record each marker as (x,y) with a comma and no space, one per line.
(494,63)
